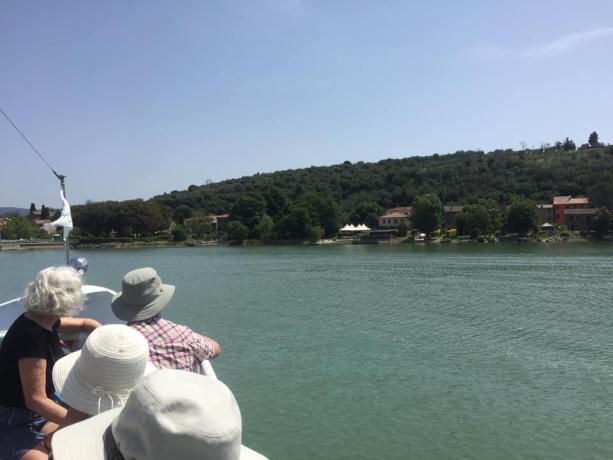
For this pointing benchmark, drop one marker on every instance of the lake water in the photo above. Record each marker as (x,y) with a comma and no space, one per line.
(445,351)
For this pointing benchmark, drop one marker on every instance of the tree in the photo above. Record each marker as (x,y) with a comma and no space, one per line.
(249,209)
(32,210)
(481,218)
(601,193)
(179,233)
(296,224)
(315,234)
(568,145)
(427,214)
(322,210)
(263,229)
(276,201)
(44,212)
(366,213)
(181,213)
(603,221)
(200,226)
(593,140)
(19,227)
(522,216)
(237,231)
(100,219)
(476,220)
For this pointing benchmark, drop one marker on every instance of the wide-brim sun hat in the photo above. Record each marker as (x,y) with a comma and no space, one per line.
(100,376)
(142,296)
(170,414)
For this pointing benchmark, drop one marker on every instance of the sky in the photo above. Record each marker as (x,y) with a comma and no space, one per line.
(133,98)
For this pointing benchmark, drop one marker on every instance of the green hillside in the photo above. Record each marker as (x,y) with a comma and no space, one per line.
(458,178)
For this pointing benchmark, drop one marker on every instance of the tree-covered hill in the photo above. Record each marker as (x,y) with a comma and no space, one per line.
(459,178)
(305,203)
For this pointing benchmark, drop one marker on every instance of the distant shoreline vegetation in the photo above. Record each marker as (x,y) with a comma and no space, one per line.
(498,191)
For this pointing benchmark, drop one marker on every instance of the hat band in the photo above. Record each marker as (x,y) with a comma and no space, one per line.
(119,395)
(101,393)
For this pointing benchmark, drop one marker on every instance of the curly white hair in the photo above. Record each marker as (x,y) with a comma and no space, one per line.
(56,291)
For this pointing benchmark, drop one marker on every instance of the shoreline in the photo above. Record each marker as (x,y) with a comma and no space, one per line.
(44,245)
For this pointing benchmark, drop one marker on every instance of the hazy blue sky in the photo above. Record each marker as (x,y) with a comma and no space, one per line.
(135,98)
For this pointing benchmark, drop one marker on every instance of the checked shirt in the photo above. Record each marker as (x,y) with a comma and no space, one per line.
(172,346)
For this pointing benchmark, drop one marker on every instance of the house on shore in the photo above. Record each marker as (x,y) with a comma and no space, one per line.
(395,216)
(220,221)
(450,214)
(574,212)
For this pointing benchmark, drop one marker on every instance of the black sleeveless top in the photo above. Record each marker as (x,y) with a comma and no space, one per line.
(26,339)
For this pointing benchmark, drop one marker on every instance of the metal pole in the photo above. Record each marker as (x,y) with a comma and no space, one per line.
(66,245)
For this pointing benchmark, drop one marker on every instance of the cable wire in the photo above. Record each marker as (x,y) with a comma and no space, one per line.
(29,143)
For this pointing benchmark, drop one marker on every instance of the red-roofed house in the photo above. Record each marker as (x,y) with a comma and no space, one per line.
(574,212)
(562,204)
(395,216)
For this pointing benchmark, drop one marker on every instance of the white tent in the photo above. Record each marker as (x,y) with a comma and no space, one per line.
(351,229)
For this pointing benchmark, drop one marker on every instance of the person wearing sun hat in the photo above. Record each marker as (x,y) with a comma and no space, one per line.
(101,375)
(142,298)
(170,414)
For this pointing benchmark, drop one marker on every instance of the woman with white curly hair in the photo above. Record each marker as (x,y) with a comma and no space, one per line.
(28,410)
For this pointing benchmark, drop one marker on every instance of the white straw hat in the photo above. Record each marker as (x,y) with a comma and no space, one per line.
(142,296)
(101,375)
(170,414)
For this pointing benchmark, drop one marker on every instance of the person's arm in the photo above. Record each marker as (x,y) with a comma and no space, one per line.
(71,326)
(33,374)
(215,346)
(204,347)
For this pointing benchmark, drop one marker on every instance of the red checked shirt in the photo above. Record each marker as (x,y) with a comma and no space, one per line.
(172,346)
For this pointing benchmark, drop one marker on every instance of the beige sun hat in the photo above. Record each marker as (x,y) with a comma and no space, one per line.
(170,414)
(142,296)
(101,375)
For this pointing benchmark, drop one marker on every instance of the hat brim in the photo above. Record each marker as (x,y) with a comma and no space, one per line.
(74,392)
(127,312)
(86,439)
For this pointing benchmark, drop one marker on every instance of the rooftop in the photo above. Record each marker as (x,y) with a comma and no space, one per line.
(568,199)
(403,211)
(395,215)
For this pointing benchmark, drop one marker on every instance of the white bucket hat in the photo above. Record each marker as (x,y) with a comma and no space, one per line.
(101,375)
(142,296)
(170,414)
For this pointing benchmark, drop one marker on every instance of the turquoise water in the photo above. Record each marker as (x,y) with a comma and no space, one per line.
(448,351)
